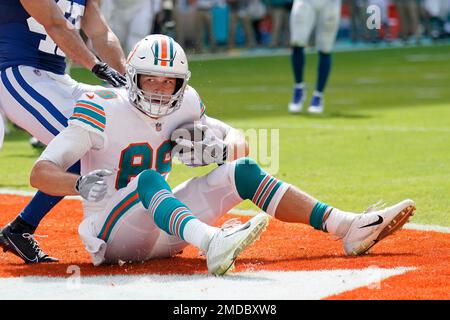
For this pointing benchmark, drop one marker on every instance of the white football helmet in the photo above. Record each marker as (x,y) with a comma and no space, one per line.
(157,55)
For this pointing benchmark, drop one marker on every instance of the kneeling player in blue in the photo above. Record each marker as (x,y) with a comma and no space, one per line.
(37,95)
(123,138)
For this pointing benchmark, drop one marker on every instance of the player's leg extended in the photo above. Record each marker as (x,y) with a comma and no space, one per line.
(301,24)
(150,191)
(210,197)
(135,218)
(327,27)
(213,195)
(288,203)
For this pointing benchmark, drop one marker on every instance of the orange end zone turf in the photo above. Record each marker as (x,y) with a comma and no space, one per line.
(282,247)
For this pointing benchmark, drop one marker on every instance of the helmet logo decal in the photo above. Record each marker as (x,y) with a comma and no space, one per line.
(163,51)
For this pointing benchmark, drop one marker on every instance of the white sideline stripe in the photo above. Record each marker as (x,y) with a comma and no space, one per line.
(347,128)
(241,212)
(267,53)
(249,285)
(426,227)
(26,193)
(410,226)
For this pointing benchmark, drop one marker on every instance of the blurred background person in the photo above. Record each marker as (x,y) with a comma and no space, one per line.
(324,17)
(130,20)
(279,11)
(358,17)
(164,21)
(183,11)
(239,13)
(204,23)
(438,11)
(256,11)
(408,11)
(377,35)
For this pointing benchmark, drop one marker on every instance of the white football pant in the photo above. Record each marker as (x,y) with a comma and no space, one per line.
(38,101)
(324,15)
(135,236)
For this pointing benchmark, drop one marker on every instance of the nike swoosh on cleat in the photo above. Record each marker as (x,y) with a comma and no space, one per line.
(246,226)
(21,253)
(379,221)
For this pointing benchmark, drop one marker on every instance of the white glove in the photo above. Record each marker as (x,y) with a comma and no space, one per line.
(92,186)
(211,149)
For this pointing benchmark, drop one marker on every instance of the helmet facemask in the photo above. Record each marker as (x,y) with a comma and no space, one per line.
(156,105)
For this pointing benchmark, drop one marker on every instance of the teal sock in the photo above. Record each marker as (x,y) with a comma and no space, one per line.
(255,184)
(318,215)
(169,213)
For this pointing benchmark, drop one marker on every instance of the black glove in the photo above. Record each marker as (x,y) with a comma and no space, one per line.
(104,72)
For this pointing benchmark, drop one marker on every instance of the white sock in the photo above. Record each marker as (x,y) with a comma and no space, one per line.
(198,234)
(338,222)
(318,94)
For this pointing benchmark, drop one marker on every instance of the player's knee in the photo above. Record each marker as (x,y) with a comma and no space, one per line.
(247,176)
(150,182)
(151,179)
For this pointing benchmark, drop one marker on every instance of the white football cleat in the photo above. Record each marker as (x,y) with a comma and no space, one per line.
(317,103)
(295,107)
(298,97)
(371,227)
(230,240)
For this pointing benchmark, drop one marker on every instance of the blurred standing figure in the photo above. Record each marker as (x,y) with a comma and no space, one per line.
(239,13)
(164,20)
(131,20)
(324,16)
(358,18)
(181,9)
(409,19)
(438,11)
(203,21)
(280,10)
(375,35)
(256,11)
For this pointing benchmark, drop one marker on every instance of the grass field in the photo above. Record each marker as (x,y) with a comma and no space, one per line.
(385,134)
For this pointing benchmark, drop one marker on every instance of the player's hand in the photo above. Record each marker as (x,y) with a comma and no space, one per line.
(104,72)
(92,186)
(211,149)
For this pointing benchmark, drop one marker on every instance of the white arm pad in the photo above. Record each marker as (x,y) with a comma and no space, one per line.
(70,146)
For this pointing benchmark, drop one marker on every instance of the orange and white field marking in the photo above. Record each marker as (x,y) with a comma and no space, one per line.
(289,262)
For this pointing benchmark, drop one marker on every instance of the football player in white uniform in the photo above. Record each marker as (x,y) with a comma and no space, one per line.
(123,138)
(306,16)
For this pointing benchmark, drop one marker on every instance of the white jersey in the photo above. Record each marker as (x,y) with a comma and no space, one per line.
(130,141)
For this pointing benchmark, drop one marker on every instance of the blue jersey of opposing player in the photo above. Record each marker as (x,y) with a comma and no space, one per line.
(24,41)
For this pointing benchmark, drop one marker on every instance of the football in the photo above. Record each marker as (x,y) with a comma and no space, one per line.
(187,131)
